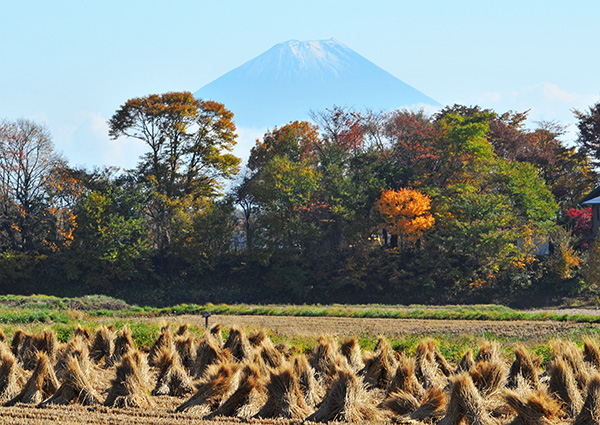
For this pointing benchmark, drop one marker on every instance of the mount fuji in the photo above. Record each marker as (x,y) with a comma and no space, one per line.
(292,78)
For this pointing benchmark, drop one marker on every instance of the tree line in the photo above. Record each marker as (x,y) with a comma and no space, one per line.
(466,205)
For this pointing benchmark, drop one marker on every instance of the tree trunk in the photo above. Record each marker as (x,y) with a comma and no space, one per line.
(394,241)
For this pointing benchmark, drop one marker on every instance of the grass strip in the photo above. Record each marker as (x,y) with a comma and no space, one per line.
(46,309)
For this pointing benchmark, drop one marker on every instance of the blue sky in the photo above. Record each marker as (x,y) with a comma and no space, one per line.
(71,64)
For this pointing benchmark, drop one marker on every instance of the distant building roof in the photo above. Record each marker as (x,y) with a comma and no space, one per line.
(594,194)
(593,201)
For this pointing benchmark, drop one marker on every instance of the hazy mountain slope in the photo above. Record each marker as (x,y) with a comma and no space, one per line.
(291,78)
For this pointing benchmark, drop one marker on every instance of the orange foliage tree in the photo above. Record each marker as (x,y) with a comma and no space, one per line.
(405,213)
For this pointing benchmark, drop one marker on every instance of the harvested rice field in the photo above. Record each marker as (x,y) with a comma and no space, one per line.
(345,326)
(299,369)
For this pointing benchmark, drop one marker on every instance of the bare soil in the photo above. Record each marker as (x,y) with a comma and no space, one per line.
(391,328)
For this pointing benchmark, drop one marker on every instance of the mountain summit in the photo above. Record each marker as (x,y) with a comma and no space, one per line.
(292,78)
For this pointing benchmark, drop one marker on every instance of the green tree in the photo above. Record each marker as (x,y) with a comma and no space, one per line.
(487,207)
(285,191)
(207,235)
(589,131)
(566,170)
(279,182)
(111,226)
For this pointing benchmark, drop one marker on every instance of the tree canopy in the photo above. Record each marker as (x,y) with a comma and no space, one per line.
(467,205)
(190,141)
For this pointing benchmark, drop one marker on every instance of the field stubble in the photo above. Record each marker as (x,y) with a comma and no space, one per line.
(288,327)
(344,326)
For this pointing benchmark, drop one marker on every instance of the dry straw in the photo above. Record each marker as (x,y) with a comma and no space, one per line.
(431,408)
(285,398)
(591,353)
(427,364)
(77,348)
(324,356)
(208,353)
(17,341)
(102,345)
(257,339)
(400,402)
(465,403)
(164,341)
(380,366)
(533,408)
(347,399)
(26,347)
(75,387)
(238,344)
(172,379)
(210,392)
(489,351)
(123,345)
(129,388)
(247,398)
(82,333)
(310,387)
(466,362)
(524,366)
(12,377)
(185,346)
(182,331)
(590,412)
(269,354)
(405,379)
(216,334)
(41,385)
(489,377)
(573,357)
(563,386)
(351,350)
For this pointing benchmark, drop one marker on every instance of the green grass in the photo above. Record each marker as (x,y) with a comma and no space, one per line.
(38,313)
(475,312)
(46,309)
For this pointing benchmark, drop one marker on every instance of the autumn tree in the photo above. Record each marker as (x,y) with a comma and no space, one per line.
(28,164)
(285,191)
(280,179)
(566,169)
(406,214)
(363,153)
(343,127)
(568,172)
(413,139)
(296,141)
(190,143)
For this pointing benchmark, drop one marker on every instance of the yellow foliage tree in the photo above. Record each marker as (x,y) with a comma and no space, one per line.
(406,213)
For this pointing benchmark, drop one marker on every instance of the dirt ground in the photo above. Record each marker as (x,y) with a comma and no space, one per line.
(23,414)
(391,328)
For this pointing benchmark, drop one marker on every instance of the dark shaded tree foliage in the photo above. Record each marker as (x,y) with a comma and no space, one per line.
(589,131)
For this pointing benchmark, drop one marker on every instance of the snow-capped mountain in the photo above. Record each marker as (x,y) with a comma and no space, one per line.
(292,78)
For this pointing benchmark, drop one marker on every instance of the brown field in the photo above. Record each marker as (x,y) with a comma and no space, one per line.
(350,327)
(80,415)
(163,411)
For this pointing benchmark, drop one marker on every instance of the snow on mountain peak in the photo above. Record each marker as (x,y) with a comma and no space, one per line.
(293,77)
